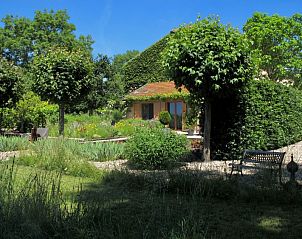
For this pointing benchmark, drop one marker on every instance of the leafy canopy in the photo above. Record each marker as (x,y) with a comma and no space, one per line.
(11,79)
(21,38)
(62,76)
(277,42)
(207,57)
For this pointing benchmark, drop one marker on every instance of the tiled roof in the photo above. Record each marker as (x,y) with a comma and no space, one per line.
(157,88)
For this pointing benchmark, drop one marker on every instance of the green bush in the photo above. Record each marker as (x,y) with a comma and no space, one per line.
(128,127)
(30,110)
(155,148)
(165,117)
(263,115)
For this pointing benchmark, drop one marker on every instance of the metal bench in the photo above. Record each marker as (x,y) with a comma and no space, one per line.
(265,158)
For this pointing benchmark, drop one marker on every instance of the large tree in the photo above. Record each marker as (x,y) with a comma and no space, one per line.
(21,38)
(277,45)
(63,77)
(11,88)
(209,59)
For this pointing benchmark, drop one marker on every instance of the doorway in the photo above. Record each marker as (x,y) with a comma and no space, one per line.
(175,110)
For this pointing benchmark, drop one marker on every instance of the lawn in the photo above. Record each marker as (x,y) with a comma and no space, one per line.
(125,205)
(53,191)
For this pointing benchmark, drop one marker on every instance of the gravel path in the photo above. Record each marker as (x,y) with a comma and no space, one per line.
(220,167)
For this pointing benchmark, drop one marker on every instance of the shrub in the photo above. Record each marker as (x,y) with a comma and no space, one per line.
(155,148)
(165,117)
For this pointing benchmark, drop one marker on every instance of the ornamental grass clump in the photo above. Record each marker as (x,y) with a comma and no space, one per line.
(13,143)
(154,148)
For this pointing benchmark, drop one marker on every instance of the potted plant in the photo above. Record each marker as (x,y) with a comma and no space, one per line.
(165,118)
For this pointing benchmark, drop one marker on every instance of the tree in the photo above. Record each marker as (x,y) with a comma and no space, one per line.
(209,59)
(22,38)
(16,44)
(63,77)
(102,72)
(10,85)
(277,45)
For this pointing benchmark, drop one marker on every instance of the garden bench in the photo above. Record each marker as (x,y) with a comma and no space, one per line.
(258,157)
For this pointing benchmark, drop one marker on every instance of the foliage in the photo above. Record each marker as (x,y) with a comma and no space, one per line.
(10,85)
(96,97)
(31,111)
(210,60)
(207,57)
(13,143)
(161,97)
(155,148)
(128,127)
(62,77)
(165,117)
(265,116)
(85,126)
(120,60)
(276,41)
(146,67)
(24,38)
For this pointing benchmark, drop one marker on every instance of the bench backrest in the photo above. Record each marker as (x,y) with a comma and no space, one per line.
(259,156)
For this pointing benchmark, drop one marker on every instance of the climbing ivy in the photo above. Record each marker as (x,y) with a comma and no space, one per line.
(161,97)
(146,67)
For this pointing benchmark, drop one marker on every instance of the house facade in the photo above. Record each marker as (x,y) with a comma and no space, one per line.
(149,100)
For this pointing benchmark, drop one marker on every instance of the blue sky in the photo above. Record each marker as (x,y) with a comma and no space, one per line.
(119,25)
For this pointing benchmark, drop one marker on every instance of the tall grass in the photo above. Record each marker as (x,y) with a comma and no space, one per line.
(127,205)
(59,155)
(70,157)
(13,143)
(102,151)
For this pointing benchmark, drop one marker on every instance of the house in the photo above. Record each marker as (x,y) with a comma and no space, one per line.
(149,100)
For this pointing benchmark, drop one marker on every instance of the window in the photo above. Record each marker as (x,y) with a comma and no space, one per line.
(147,111)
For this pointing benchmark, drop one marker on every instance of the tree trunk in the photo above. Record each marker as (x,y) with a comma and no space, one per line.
(61,119)
(1,119)
(206,154)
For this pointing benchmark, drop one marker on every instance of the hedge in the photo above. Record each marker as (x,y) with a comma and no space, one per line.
(146,67)
(264,115)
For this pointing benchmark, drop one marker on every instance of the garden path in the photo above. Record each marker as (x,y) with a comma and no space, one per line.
(220,167)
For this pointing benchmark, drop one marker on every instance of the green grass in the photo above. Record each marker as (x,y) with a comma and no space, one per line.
(39,204)
(58,155)
(13,143)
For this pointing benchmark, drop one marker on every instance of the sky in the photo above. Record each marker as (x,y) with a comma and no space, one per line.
(119,25)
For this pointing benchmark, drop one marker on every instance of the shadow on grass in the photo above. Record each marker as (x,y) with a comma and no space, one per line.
(187,204)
